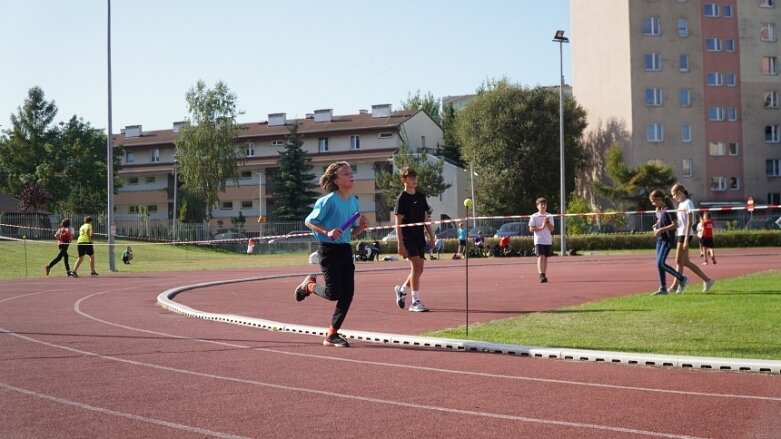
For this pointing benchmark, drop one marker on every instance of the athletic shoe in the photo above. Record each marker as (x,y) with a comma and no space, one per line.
(544,280)
(708,285)
(46,269)
(301,291)
(400,296)
(94,273)
(418,306)
(660,292)
(714,261)
(336,341)
(73,274)
(682,285)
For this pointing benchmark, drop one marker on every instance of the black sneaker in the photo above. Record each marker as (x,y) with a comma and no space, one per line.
(301,292)
(336,341)
(543,279)
(94,273)
(73,274)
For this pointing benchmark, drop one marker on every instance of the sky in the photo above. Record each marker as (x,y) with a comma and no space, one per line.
(291,56)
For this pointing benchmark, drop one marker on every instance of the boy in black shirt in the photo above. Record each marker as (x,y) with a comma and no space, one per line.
(411,208)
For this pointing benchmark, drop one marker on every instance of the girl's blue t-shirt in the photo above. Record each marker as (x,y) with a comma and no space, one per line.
(330,212)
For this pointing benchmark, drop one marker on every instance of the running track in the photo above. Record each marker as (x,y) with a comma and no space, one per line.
(98,358)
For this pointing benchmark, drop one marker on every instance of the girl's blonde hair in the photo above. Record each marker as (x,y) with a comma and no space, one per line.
(328,177)
(677,187)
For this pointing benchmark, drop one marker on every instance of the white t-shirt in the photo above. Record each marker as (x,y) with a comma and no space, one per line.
(543,236)
(685,208)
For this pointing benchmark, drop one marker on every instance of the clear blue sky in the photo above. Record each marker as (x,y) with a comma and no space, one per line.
(291,56)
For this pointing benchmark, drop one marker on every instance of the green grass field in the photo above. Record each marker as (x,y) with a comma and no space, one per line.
(740,320)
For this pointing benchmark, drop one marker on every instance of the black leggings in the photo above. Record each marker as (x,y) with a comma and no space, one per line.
(63,254)
(336,261)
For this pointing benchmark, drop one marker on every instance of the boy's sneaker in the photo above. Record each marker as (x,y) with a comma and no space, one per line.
(46,269)
(301,291)
(400,296)
(73,274)
(418,306)
(543,279)
(682,285)
(336,341)
(708,285)
(94,273)
(660,292)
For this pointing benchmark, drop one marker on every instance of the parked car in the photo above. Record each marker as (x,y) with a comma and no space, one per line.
(448,234)
(520,228)
(390,236)
(487,231)
(231,241)
(230,236)
(294,237)
(762,224)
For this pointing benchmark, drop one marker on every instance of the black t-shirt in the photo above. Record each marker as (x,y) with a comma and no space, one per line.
(413,208)
(664,219)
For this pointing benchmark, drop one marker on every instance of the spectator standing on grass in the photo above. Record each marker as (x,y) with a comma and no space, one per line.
(461,239)
(664,230)
(335,253)
(411,208)
(64,236)
(541,224)
(684,237)
(707,238)
(84,245)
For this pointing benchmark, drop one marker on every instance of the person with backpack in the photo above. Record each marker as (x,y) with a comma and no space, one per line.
(64,236)
(664,230)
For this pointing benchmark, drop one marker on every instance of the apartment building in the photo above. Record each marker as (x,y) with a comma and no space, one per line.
(367,140)
(696,84)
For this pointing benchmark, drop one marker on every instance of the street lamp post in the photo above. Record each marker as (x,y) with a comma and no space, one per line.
(109,150)
(561,39)
(474,202)
(176,185)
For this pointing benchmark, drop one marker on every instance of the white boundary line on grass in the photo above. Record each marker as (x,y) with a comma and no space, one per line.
(165,300)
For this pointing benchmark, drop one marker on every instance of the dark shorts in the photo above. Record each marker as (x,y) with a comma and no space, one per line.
(414,248)
(707,242)
(543,249)
(85,249)
(679,239)
(462,242)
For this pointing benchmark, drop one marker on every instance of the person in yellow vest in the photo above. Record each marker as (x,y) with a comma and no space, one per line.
(84,247)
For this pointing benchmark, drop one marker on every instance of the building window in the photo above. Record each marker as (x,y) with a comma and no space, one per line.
(773,168)
(156,155)
(774,198)
(132,180)
(729,45)
(715,79)
(385,135)
(322,144)
(654,132)
(250,150)
(715,113)
(767,3)
(130,157)
(769,65)
(277,143)
(245,175)
(653,97)
(713,44)
(718,184)
(152,208)
(653,61)
(651,26)
(734,148)
(686,167)
(683,27)
(246,204)
(683,62)
(734,183)
(685,97)
(423,142)
(731,80)
(711,10)
(727,10)
(772,134)
(768,32)
(355,143)
(771,99)
(732,113)
(132,209)
(686,133)
(226,205)
(717,148)
(150,178)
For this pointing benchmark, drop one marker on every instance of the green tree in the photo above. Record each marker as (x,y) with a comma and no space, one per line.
(633,185)
(449,148)
(427,103)
(26,145)
(430,181)
(511,136)
(206,145)
(294,184)
(34,197)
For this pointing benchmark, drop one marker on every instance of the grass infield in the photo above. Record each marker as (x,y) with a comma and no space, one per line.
(740,320)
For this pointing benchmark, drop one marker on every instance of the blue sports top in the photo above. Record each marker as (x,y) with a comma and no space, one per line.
(330,212)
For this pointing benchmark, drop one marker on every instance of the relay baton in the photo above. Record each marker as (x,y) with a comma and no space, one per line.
(350,221)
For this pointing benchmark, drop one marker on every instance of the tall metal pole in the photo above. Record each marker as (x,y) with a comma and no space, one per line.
(474,202)
(176,213)
(110,153)
(561,39)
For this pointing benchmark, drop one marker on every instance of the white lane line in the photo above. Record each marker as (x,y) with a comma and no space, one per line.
(131,416)
(77,308)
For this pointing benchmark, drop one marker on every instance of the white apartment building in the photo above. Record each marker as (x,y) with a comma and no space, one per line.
(696,83)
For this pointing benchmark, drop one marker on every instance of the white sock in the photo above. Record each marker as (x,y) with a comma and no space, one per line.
(415,296)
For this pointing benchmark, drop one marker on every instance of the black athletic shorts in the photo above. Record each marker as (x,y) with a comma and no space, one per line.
(85,249)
